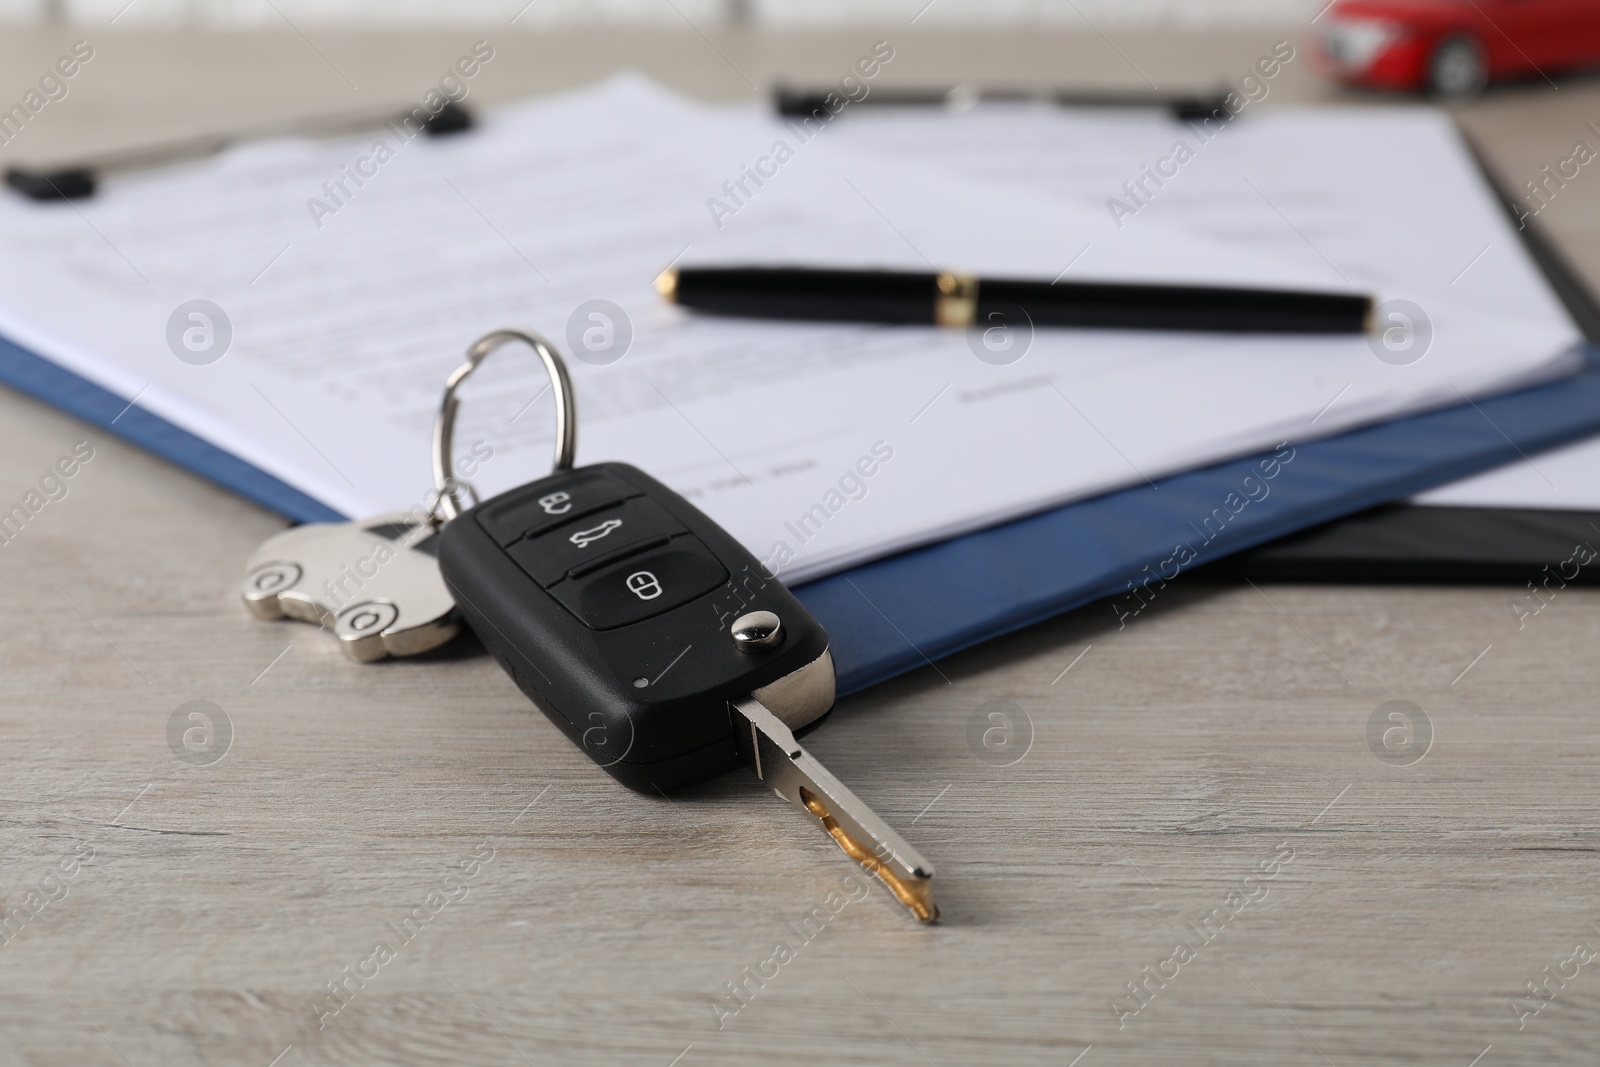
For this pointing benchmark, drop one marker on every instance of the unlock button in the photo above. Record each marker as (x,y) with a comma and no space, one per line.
(640,586)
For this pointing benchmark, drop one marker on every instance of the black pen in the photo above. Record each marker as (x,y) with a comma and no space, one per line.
(962,301)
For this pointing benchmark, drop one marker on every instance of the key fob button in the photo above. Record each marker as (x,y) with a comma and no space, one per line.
(641,586)
(549,557)
(549,503)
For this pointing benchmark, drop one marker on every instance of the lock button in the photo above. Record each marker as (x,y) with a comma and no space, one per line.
(549,502)
(640,586)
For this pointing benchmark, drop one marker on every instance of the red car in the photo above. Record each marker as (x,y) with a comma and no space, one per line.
(1453,47)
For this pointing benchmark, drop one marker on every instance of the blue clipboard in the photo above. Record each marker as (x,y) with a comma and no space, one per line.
(897,614)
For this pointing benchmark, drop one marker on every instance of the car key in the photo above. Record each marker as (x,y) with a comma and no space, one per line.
(651,637)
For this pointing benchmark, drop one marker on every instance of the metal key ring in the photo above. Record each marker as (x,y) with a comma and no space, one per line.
(447,485)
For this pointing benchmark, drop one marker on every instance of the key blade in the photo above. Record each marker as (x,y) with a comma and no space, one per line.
(768,747)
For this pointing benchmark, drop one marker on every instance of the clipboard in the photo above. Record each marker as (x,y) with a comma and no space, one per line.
(900,613)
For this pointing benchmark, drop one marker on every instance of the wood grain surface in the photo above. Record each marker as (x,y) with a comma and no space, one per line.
(1201,778)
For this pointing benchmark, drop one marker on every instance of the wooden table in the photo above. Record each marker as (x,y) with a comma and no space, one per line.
(1222,734)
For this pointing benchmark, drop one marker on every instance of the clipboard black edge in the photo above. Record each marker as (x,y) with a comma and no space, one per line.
(1403,543)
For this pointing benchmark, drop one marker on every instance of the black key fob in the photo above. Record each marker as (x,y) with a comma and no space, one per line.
(655,640)
(633,621)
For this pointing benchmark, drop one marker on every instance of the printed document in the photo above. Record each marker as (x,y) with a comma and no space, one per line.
(352,278)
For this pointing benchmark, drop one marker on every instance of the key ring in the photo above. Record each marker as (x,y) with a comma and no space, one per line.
(446,485)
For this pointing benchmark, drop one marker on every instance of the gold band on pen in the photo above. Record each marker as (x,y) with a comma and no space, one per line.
(956,304)
(667,284)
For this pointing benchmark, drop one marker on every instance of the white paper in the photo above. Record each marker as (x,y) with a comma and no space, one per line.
(1561,480)
(343,333)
